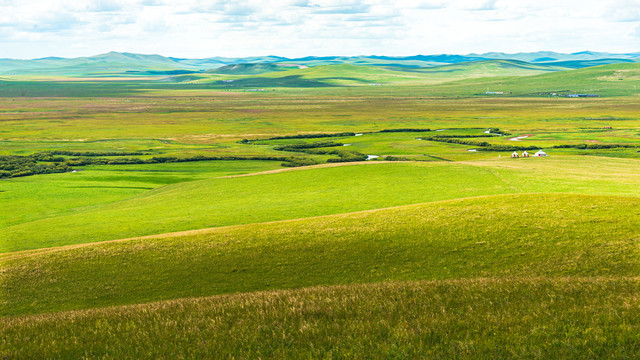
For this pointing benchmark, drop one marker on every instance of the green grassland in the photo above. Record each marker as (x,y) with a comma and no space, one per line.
(447,253)
(491,236)
(29,199)
(565,281)
(534,318)
(304,193)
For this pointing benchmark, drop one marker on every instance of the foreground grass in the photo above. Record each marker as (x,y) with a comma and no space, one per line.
(537,318)
(496,236)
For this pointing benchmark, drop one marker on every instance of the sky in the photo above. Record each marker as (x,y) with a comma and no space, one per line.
(295,28)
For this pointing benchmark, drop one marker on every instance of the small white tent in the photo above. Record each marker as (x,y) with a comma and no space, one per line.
(514,155)
(525,154)
(541,153)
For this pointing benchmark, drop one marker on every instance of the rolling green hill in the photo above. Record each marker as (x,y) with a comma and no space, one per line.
(317,191)
(110,64)
(579,64)
(605,80)
(550,235)
(127,64)
(247,69)
(566,275)
(354,75)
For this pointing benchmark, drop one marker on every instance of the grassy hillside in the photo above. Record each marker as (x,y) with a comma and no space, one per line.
(606,80)
(219,202)
(110,64)
(460,80)
(312,192)
(538,318)
(488,68)
(247,69)
(118,64)
(579,64)
(494,236)
(355,74)
(29,199)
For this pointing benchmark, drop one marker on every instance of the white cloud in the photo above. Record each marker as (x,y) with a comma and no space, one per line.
(621,10)
(481,5)
(200,28)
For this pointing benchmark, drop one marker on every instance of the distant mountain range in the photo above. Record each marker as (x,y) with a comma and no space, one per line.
(130,64)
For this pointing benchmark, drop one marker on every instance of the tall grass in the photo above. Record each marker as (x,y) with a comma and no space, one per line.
(533,318)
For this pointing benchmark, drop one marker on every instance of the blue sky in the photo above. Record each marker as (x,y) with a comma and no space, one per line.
(293,28)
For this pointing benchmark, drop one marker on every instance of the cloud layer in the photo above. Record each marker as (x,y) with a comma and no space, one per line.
(196,28)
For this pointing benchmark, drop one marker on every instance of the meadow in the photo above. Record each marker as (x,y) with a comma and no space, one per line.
(290,244)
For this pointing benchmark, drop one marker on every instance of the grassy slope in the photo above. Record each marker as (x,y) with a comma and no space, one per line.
(535,318)
(495,236)
(219,202)
(607,80)
(247,69)
(312,192)
(39,197)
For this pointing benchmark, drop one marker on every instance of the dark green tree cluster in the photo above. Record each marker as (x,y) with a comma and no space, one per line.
(403,130)
(596,146)
(299,146)
(462,136)
(315,149)
(482,145)
(499,132)
(309,136)
(94,153)
(46,163)
(40,163)
(398,158)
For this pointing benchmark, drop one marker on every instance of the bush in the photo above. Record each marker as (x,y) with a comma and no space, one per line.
(403,130)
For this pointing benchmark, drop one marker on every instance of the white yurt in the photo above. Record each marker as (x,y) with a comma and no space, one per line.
(541,153)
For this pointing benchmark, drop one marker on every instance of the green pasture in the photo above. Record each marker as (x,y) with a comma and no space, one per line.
(301,193)
(220,119)
(38,197)
(492,236)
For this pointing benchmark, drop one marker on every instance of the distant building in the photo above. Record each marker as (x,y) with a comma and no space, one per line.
(541,153)
(494,92)
(525,154)
(514,155)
